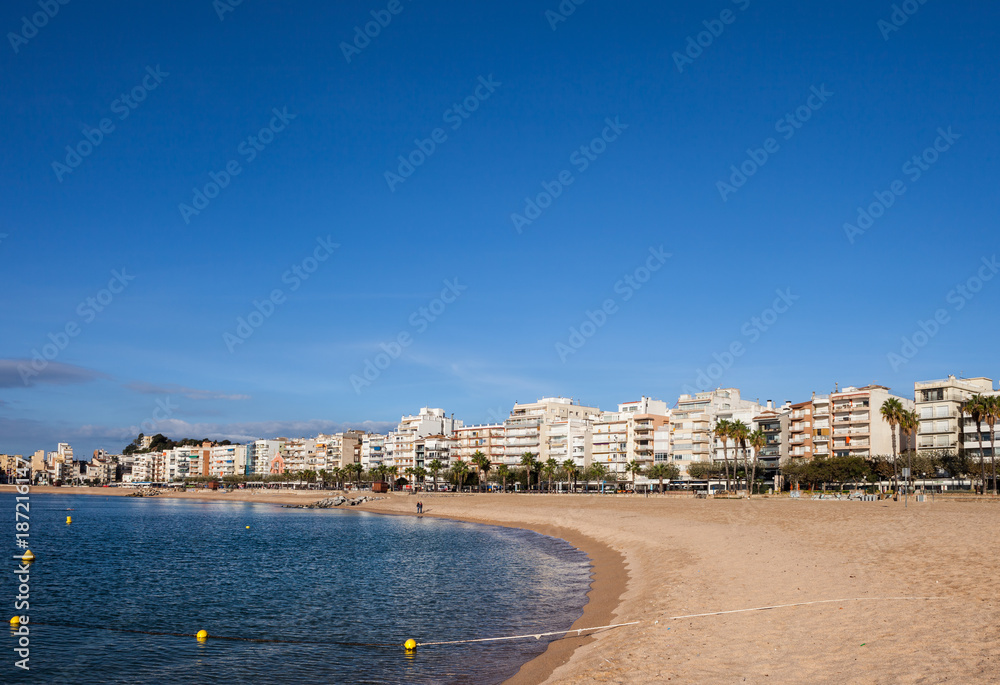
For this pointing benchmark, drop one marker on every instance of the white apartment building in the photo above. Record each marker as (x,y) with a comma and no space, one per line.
(442,448)
(629,434)
(298,454)
(942,425)
(227,460)
(528,427)
(372,450)
(692,421)
(401,444)
(858,427)
(260,454)
(570,439)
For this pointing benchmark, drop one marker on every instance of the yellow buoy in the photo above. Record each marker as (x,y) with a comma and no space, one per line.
(28,557)
(410,644)
(69,519)
(16,621)
(248,527)
(202,635)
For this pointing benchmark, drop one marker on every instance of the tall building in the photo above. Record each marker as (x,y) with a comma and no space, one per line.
(694,418)
(372,450)
(528,427)
(942,426)
(260,454)
(401,444)
(858,427)
(486,438)
(339,449)
(629,434)
(810,429)
(774,424)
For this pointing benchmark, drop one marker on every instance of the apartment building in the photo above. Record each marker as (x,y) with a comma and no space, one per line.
(337,450)
(774,423)
(810,429)
(629,434)
(227,460)
(858,427)
(528,428)
(442,448)
(401,444)
(372,450)
(485,438)
(939,407)
(260,454)
(694,418)
(570,438)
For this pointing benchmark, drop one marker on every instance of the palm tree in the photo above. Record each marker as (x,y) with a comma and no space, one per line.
(483,465)
(757,441)
(529,463)
(635,468)
(992,416)
(974,407)
(460,470)
(421,473)
(550,467)
(572,471)
(503,472)
(323,475)
(597,472)
(892,413)
(739,432)
(723,431)
(408,471)
(663,471)
(435,467)
(392,472)
(909,421)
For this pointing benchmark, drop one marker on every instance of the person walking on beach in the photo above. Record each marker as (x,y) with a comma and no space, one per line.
(420,507)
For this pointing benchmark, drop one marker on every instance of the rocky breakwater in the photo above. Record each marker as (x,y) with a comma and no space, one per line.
(331,502)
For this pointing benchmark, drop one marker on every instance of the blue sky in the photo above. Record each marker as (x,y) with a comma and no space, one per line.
(644,186)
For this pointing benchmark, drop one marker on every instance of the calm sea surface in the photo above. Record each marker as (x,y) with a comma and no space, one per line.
(312,578)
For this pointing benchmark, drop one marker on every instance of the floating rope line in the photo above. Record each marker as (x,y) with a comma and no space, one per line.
(537,636)
(799,604)
(219,637)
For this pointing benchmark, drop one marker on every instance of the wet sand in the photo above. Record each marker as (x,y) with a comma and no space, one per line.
(661,557)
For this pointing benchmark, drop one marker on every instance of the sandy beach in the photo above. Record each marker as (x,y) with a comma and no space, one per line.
(657,558)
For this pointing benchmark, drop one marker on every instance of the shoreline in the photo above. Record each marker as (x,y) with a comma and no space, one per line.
(609,576)
(845,582)
(609,579)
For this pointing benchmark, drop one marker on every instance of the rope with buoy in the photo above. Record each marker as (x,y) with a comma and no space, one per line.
(537,636)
